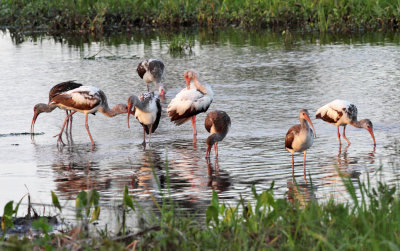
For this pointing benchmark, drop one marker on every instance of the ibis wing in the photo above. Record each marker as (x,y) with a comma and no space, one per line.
(290,136)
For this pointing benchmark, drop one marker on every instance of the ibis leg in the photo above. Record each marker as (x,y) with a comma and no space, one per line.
(304,165)
(87,128)
(62,129)
(194,125)
(292,165)
(144,138)
(344,135)
(338,135)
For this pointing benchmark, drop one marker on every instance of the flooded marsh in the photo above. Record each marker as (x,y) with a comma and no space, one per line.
(260,80)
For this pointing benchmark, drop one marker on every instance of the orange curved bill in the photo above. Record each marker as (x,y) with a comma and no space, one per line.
(372,135)
(187,83)
(309,121)
(35,115)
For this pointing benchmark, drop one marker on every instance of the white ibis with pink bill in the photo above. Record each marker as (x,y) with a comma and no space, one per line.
(343,113)
(192,100)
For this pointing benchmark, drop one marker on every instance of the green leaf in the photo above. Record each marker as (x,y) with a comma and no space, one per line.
(212,214)
(253,189)
(214,200)
(42,224)
(128,199)
(8,208)
(95,214)
(55,201)
(82,198)
(94,197)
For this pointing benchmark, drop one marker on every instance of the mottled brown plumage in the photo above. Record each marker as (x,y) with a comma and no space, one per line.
(63,87)
(342,113)
(217,123)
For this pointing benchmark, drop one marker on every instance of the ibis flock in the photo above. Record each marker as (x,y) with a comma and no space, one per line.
(195,98)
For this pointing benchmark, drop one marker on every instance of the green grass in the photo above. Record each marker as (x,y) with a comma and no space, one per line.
(371,221)
(98,15)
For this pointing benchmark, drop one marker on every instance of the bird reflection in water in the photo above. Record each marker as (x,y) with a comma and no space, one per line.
(76,171)
(143,178)
(300,194)
(218,180)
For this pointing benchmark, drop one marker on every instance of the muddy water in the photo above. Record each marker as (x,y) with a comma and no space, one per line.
(260,80)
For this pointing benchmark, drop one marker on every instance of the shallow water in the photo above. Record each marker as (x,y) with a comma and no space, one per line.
(258,79)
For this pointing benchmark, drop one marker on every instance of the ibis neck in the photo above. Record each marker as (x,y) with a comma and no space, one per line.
(111,112)
(137,103)
(356,124)
(304,124)
(215,137)
(199,86)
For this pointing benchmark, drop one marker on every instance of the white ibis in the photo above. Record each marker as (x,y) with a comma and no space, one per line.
(217,123)
(342,113)
(84,99)
(152,70)
(56,90)
(190,101)
(300,137)
(147,109)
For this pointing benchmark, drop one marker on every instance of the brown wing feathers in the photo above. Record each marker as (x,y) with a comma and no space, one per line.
(290,136)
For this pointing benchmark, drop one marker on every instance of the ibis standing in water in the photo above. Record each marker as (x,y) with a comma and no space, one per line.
(152,70)
(217,123)
(189,102)
(343,113)
(300,137)
(147,110)
(56,90)
(84,99)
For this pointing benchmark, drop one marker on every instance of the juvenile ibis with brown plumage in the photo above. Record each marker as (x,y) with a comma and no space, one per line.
(147,110)
(152,70)
(49,107)
(84,99)
(192,100)
(217,123)
(300,137)
(343,113)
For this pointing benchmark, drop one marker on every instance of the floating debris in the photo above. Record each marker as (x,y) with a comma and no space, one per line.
(109,57)
(20,134)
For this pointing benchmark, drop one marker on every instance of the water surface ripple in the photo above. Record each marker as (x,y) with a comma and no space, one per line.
(261,85)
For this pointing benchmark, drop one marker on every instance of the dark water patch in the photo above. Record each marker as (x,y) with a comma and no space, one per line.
(20,134)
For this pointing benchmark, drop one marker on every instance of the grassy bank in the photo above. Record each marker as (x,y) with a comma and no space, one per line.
(258,223)
(98,15)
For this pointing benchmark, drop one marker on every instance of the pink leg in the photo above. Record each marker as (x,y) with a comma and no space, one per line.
(292,165)
(338,135)
(194,125)
(216,149)
(304,165)
(344,135)
(144,138)
(62,129)
(151,128)
(66,131)
(70,125)
(87,128)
